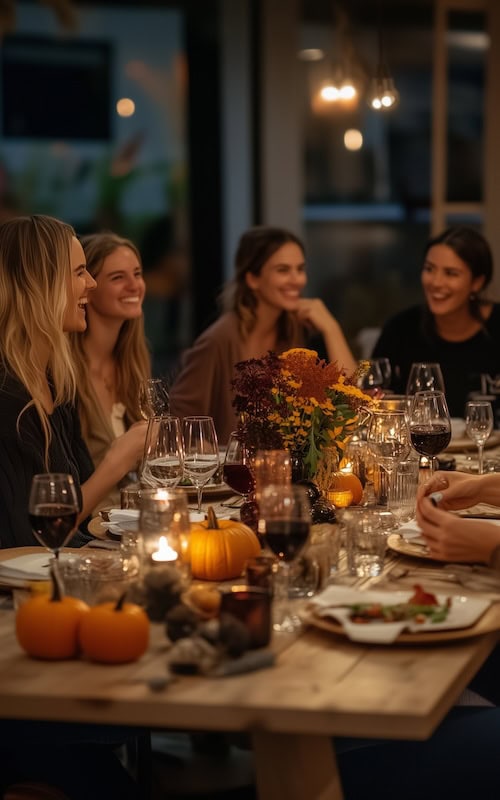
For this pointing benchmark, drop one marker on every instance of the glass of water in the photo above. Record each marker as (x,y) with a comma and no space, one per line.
(479,425)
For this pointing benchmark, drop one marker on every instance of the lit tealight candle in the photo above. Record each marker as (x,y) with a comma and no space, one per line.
(164,552)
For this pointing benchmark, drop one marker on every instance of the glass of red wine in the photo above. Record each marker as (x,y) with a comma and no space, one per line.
(284,521)
(237,472)
(430,425)
(53,509)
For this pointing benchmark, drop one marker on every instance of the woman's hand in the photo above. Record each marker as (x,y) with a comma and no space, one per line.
(455,490)
(313,313)
(450,538)
(127,450)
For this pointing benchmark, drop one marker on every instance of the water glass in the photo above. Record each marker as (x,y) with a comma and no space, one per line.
(271,466)
(369,542)
(403,490)
(479,425)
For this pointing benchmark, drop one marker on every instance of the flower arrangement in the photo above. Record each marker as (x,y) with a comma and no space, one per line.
(296,401)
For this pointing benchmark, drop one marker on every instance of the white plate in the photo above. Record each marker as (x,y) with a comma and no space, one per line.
(459,444)
(464,612)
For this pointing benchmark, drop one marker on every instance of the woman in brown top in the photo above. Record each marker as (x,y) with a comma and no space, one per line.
(263,310)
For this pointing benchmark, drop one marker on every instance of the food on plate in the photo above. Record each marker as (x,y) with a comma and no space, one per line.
(421,607)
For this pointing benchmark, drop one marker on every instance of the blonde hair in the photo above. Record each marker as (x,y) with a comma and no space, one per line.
(256,246)
(35,272)
(131,354)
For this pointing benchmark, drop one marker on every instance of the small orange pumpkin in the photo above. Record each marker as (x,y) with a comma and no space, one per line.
(220,548)
(345,489)
(47,624)
(114,633)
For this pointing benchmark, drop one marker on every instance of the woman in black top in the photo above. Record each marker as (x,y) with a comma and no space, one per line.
(43,291)
(456,327)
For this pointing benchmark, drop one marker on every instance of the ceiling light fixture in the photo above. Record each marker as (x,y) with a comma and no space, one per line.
(382,95)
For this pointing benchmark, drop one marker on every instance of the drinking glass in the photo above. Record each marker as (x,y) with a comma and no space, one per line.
(163,461)
(201,452)
(154,400)
(237,472)
(403,491)
(424,377)
(271,466)
(285,521)
(386,370)
(164,527)
(479,425)
(53,508)
(430,424)
(372,377)
(388,439)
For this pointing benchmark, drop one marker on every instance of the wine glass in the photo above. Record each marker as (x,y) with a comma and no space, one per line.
(430,424)
(388,439)
(237,472)
(163,461)
(201,452)
(423,377)
(372,377)
(53,508)
(479,425)
(285,521)
(386,370)
(154,400)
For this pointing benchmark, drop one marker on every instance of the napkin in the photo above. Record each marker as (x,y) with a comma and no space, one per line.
(127,519)
(34,567)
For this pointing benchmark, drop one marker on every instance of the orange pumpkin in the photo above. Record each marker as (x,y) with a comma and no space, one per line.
(47,624)
(345,489)
(114,633)
(220,548)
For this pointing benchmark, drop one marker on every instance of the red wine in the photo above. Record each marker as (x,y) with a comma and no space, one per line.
(239,478)
(52,523)
(286,538)
(430,441)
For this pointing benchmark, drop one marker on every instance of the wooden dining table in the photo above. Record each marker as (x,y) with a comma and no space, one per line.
(321,686)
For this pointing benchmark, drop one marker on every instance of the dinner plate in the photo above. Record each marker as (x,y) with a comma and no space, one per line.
(463,620)
(213,491)
(460,443)
(409,547)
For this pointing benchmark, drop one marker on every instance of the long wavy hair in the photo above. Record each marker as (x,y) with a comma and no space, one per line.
(131,354)
(473,249)
(35,273)
(256,246)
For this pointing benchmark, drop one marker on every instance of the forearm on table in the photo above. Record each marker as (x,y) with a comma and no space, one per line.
(489,489)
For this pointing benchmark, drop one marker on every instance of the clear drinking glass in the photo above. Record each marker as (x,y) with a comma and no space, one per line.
(53,509)
(403,490)
(285,522)
(479,425)
(430,424)
(154,400)
(163,461)
(201,452)
(388,439)
(386,369)
(424,376)
(271,466)
(372,377)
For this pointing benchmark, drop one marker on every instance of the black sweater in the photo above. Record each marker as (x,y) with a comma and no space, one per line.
(22,457)
(403,341)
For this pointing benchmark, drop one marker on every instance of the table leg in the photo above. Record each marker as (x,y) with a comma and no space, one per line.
(295,766)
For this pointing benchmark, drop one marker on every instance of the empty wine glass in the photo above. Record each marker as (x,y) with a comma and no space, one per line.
(53,509)
(424,376)
(386,370)
(284,521)
(154,400)
(201,452)
(163,462)
(430,424)
(479,425)
(372,377)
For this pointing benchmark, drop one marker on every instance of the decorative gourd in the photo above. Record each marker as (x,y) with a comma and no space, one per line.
(345,489)
(220,548)
(114,633)
(47,624)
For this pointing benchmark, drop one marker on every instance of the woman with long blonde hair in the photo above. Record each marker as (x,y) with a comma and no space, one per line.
(44,290)
(111,356)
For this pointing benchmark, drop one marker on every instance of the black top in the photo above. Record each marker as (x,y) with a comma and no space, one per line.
(22,457)
(403,341)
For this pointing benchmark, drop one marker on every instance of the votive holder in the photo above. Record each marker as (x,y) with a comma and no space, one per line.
(252,606)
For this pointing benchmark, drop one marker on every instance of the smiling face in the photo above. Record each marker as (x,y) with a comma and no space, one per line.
(80,283)
(120,287)
(447,281)
(281,280)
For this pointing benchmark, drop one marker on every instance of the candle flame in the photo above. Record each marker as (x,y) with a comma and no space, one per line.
(164,552)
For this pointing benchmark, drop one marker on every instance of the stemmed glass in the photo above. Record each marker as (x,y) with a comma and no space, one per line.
(237,472)
(430,424)
(285,521)
(386,370)
(479,425)
(423,377)
(153,398)
(388,439)
(201,452)
(163,462)
(53,508)
(372,377)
